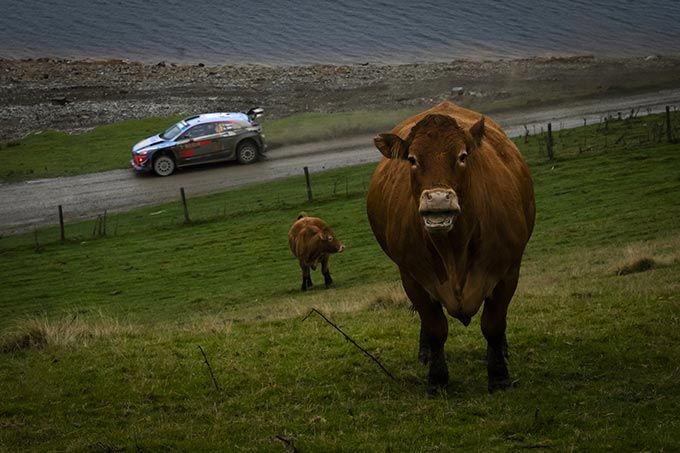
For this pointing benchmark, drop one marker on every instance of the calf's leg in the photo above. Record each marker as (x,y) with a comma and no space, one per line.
(434,329)
(328,281)
(306,277)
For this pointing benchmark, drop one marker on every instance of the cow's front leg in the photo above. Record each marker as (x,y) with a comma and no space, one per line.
(432,350)
(497,369)
(493,327)
(434,329)
(306,277)
(328,281)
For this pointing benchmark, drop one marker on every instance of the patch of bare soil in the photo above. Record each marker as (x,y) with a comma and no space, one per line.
(77,95)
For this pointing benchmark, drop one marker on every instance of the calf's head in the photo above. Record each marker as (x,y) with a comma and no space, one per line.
(327,242)
(437,151)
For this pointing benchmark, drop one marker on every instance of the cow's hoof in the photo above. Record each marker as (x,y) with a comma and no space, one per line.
(438,377)
(500,384)
(434,390)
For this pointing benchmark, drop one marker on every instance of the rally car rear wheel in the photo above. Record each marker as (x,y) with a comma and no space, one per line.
(246,153)
(163,166)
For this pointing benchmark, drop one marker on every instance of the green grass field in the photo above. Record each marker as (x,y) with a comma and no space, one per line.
(100,335)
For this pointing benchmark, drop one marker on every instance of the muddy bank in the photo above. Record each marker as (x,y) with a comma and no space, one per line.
(77,95)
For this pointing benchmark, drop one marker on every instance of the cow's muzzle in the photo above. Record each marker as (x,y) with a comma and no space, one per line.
(439,209)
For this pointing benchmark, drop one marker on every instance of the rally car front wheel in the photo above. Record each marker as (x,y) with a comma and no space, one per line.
(163,165)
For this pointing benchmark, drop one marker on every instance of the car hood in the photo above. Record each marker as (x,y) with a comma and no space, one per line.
(156,142)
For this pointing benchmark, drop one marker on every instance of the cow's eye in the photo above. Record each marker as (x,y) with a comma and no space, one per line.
(463,156)
(412,160)
(330,238)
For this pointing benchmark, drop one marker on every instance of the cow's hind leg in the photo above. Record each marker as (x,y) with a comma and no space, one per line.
(328,281)
(434,329)
(493,327)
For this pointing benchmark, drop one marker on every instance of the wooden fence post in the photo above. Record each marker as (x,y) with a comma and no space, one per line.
(669,135)
(95,227)
(35,236)
(526,134)
(61,224)
(309,185)
(549,142)
(184,205)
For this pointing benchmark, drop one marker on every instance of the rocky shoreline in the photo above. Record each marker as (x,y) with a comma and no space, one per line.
(75,95)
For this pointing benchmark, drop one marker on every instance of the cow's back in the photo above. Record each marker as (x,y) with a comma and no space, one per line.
(464,117)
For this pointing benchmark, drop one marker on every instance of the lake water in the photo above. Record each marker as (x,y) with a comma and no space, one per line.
(286,32)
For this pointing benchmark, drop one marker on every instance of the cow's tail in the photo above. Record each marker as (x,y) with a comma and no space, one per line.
(301,215)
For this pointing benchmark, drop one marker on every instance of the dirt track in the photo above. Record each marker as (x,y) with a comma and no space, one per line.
(24,206)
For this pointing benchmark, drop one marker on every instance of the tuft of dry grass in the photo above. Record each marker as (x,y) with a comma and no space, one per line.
(40,331)
(374,296)
(644,256)
(367,297)
(213,324)
(390,298)
(639,265)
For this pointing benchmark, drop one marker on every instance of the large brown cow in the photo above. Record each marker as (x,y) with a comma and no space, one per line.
(312,241)
(452,204)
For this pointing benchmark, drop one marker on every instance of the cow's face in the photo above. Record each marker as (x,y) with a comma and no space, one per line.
(329,243)
(437,151)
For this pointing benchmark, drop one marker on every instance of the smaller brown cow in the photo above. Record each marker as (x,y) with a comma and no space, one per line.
(312,241)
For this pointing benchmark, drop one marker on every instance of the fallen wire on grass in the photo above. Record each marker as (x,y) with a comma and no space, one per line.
(347,337)
(212,375)
(289,443)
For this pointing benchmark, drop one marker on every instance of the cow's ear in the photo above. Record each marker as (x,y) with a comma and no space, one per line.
(391,146)
(477,131)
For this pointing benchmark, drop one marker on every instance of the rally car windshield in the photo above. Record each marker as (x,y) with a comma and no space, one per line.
(172,132)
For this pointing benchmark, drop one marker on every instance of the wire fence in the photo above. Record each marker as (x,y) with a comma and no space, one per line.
(611,133)
(280,198)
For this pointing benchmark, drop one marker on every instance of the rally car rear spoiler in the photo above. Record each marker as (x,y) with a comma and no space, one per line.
(255,113)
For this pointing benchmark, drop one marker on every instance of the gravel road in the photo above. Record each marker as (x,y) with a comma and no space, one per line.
(31,204)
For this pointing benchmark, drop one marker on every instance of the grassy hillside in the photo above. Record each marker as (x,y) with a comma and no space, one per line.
(100,336)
